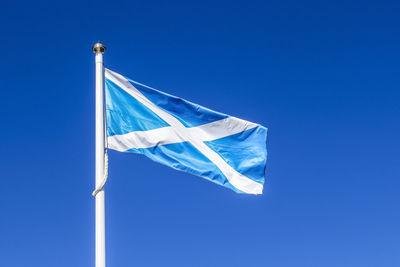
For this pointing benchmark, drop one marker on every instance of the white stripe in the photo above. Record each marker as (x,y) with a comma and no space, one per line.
(167,135)
(144,139)
(235,178)
(221,128)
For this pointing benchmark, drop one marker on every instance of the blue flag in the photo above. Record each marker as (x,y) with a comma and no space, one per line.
(185,136)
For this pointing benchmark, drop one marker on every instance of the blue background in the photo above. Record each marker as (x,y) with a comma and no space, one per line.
(323,76)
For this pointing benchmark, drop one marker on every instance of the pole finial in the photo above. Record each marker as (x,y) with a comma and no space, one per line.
(99,47)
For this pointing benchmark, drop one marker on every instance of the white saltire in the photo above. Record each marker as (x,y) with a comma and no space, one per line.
(177,132)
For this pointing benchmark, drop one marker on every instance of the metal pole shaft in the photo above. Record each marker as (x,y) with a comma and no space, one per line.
(100,259)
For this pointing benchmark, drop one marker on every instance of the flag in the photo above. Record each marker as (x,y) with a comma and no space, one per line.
(185,136)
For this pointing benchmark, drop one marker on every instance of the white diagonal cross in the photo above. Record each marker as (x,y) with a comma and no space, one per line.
(177,132)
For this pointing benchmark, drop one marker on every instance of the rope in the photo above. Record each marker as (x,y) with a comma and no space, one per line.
(100,187)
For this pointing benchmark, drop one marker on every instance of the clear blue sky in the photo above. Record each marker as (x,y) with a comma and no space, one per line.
(323,76)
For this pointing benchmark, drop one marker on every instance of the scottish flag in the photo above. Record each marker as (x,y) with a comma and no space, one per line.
(185,136)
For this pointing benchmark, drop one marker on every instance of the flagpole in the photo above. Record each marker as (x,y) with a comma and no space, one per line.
(100,250)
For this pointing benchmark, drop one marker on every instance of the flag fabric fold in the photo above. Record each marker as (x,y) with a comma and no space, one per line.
(185,136)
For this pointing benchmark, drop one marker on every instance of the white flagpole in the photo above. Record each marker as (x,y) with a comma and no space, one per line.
(99,49)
